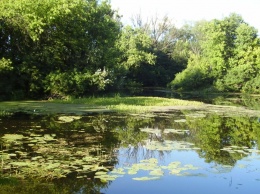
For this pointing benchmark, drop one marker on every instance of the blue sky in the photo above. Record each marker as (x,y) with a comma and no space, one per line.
(182,11)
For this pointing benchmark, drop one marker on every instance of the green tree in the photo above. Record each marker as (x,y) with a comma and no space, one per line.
(228,58)
(62,42)
(244,65)
(134,51)
(165,36)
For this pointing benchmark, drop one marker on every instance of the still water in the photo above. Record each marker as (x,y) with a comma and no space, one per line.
(188,151)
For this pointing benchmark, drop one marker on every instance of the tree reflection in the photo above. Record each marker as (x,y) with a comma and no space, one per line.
(105,135)
(64,186)
(214,132)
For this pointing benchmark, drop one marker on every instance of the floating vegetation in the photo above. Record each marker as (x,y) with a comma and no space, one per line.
(48,157)
(159,131)
(176,168)
(155,171)
(118,171)
(12,137)
(180,121)
(146,178)
(239,150)
(176,131)
(68,119)
(89,148)
(168,145)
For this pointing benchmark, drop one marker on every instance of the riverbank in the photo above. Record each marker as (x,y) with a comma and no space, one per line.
(93,105)
(126,105)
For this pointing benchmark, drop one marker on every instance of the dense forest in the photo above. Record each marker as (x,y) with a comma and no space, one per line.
(80,47)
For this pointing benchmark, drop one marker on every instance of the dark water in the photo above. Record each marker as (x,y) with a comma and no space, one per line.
(176,152)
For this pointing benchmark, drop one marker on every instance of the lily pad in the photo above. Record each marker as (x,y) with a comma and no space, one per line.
(180,121)
(157,172)
(68,119)
(118,171)
(176,131)
(150,130)
(12,137)
(146,178)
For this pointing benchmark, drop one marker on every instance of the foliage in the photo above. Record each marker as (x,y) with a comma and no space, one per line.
(71,42)
(59,48)
(165,39)
(228,60)
(134,45)
(5,65)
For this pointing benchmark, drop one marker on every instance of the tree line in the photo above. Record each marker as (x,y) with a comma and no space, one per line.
(80,47)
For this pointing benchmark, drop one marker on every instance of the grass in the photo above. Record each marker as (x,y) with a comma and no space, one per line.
(139,101)
(86,105)
(132,104)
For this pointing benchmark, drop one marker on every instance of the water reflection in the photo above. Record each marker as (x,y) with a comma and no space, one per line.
(65,157)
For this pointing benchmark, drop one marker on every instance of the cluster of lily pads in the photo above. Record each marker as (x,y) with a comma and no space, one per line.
(168,145)
(153,170)
(158,131)
(46,156)
(68,119)
(239,149)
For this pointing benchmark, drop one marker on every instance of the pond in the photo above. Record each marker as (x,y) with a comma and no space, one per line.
(212,150)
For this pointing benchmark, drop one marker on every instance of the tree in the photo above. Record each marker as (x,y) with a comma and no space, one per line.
(165,36)
(50,41)
(228,59)
(134,50)
(244,65)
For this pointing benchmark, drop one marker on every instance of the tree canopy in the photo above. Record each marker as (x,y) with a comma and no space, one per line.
(80,47)
(229,58)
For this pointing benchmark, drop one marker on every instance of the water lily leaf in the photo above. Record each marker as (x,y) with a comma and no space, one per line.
(89,159)
(68,119)
(12,137)
(190,167)
(101,173)
(174,165)
(36,157)
(52,165)
(87,167)
(106,177)
(150,130)
(12,155)
(118,171)
(150,160)
(48,137)
(175,171)
(157,172)
(180,121)
(132,171)
(253,150)
(146,178)
(175,131)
